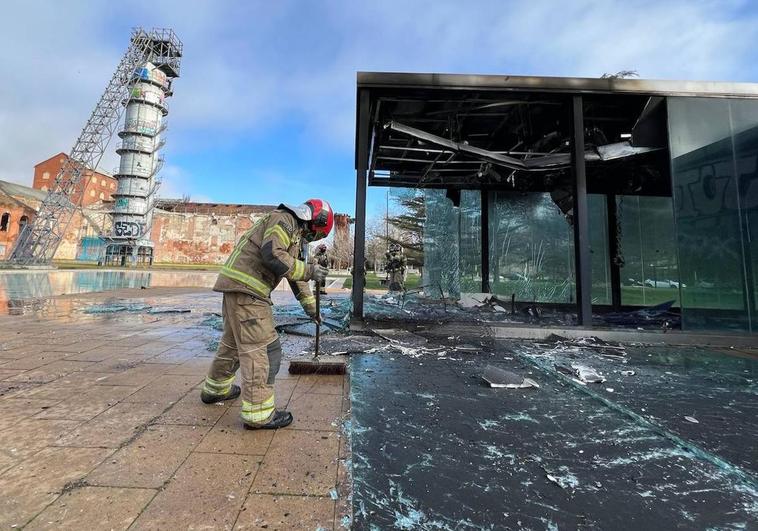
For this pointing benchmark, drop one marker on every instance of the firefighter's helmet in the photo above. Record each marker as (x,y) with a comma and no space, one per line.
(318,216)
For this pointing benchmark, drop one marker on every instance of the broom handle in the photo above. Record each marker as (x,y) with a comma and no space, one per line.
(318,323)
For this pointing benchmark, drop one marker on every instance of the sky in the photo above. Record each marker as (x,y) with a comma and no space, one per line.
(264,110)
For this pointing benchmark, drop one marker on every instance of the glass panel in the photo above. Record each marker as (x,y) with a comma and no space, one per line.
(531,248)
(744,115)
(441,273)
(441,242)
(650,272)
(470,238)
(707,213)
(601,272)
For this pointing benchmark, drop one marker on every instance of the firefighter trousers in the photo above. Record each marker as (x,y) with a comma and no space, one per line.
(250,343)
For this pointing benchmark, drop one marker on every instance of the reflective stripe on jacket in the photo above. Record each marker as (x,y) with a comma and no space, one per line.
(264,255)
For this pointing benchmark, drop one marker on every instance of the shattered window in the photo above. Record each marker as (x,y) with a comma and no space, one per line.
(531,248)
(647,246)
(440,235)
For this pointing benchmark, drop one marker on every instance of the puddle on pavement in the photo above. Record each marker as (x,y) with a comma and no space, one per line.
(24,292)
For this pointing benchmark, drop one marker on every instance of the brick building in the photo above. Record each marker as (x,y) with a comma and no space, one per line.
(19,205)
(183,232)
(98,185)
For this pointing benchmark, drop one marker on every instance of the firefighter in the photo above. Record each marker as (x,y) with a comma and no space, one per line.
(322,259)
(268,252)
(395,267)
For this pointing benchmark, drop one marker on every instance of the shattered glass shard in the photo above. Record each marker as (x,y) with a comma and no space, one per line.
(497,377)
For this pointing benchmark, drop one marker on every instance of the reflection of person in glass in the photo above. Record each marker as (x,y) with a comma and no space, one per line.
(322,259)
(395,267)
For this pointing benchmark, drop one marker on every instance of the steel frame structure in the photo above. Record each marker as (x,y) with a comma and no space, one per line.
(38,242)
(405,148)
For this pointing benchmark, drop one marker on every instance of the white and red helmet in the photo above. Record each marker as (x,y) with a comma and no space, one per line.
(318,215)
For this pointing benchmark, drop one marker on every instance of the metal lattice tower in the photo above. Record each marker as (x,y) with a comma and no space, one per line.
(39,240)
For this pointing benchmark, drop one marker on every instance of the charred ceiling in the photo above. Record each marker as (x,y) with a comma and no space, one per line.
(519,141)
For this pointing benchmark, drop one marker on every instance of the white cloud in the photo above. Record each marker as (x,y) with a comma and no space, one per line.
(251,66)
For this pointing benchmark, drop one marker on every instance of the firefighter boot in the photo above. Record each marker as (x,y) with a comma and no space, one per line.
(279,419)
(209,398)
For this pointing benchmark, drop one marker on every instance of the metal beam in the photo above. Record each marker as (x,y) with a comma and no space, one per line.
(571,85)
(361,171)
(485,240)
(613,250)
(544,163)
(581,217)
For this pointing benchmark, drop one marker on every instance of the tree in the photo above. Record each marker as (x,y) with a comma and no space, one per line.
(408,228)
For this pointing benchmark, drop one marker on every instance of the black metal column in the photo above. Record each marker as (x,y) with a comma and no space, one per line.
(485,236)
(361,167)
(613,251)
(581,219)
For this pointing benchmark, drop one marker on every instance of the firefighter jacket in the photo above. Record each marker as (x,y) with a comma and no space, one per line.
(266,253)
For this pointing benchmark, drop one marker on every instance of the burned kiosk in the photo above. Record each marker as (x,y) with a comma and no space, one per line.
(601,197)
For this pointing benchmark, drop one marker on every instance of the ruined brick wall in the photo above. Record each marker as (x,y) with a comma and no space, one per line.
(183,237)
(21,210)
(12,218)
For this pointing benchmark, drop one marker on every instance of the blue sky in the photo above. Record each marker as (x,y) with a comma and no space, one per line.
(264,111)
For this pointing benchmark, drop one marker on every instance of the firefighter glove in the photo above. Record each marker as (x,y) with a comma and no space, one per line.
(318,272)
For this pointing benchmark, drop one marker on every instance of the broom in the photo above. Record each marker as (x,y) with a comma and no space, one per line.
(317,365)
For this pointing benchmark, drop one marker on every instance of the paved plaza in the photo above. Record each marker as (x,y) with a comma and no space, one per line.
(101,424)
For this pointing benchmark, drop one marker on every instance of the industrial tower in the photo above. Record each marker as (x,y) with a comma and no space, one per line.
(140,85)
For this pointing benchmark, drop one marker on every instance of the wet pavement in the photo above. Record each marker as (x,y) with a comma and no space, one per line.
(435,448)
(102,426)
(28,291)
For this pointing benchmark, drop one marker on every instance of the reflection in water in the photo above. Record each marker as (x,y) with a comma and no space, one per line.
(30,290)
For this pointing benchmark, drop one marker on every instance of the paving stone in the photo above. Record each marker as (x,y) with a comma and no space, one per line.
(12,354)
(33,360)
(140,375)
(51,371)
(284,513)
(283,390)
(153,348)
(207,492)
(99,353)
(175,355)
(120,362)
(316,412)
(87,406)
(28,436)
(166,389)
(8,373)
(93,508)
(32,485)
(67,386)
(329,384)
(284,373)
(113,427)
(229,436)
(77,346)
(192,412)
(299,462)
(14,409)
(149,460)
(194,366)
